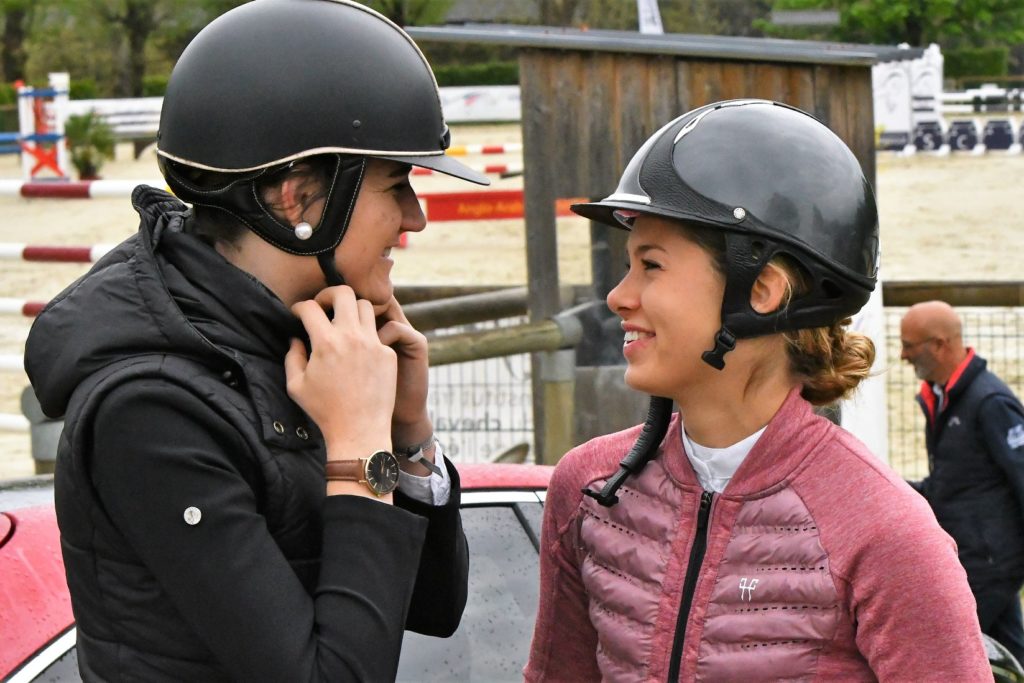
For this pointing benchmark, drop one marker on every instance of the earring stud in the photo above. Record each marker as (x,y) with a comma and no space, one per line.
(303,230)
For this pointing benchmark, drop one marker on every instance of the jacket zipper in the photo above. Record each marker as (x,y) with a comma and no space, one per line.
(700,544)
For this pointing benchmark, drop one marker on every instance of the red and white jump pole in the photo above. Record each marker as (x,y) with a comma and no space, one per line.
(502,148)
(99,189)
(489,169)
(75,189)
(12,251)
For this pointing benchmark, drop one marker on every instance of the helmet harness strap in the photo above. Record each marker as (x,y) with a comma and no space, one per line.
(659,414)
(330,268)
(745,259)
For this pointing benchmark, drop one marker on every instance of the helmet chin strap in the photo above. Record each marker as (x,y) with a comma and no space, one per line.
(330,268)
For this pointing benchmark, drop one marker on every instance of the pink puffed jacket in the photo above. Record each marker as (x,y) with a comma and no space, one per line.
(820,564)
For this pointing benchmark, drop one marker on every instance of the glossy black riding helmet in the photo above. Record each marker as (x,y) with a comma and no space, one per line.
(275,81)
(775,180)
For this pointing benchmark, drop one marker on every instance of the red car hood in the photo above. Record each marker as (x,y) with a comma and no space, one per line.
(34,601)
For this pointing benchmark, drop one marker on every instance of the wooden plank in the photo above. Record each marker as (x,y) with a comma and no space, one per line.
(662,105)
(800,87)
(634,95)
(564,143)
(684,84)
(705,77)
(962,293)
(860,104)
(546,335)
(734,81)
(768,81)
(596,152)
(822,103)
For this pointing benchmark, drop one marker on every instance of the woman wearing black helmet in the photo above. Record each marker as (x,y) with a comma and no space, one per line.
(236,360)
(744,537)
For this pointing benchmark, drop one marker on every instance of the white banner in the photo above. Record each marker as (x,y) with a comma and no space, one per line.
(465,104)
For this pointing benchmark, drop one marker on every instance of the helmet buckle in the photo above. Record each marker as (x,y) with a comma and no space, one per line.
(725,341)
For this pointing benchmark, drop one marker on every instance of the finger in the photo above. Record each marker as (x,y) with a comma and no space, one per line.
(341,301)
(367,320)
(392,310)
(396,333)
(313,318)
(295,361)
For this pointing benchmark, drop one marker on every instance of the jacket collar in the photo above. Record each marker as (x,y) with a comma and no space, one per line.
(792,434)
(969,367)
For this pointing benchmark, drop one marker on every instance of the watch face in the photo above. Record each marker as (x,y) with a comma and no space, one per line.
(382,472)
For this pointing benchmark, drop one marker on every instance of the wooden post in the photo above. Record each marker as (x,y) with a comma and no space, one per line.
(541,143)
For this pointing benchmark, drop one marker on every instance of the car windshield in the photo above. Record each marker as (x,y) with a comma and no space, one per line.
(493,640)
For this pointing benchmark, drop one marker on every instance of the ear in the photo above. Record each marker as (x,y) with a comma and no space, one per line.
(288,198)
(769,290)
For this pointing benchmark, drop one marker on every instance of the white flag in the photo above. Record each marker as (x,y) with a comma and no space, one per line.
(650,17)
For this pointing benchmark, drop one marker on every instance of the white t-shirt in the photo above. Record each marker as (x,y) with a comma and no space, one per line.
(715,466)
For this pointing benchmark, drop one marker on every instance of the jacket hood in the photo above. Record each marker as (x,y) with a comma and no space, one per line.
(161,291)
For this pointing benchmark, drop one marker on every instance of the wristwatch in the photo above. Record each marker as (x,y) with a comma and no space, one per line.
(379,472)
(414,453)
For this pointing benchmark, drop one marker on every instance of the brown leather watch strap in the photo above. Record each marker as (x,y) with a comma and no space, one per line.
(346,470)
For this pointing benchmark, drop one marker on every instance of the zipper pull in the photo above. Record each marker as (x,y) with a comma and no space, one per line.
(705,509)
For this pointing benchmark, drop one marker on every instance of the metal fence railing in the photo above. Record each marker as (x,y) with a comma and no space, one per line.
(482,407)
(996,334)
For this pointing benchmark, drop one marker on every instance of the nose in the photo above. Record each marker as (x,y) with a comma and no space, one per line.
(623,297)
(413,218)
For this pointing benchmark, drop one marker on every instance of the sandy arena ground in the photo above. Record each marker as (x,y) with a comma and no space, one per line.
(941,218)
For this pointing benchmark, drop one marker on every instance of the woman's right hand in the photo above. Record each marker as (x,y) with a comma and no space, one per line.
(347,384)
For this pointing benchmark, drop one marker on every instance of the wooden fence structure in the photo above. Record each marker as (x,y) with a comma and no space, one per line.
(589,99)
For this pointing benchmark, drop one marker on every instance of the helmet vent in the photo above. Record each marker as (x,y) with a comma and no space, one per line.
(756,250)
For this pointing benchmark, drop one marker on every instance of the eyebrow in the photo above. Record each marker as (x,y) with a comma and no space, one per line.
(644,248)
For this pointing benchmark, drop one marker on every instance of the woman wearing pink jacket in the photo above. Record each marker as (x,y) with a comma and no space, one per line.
(745,537)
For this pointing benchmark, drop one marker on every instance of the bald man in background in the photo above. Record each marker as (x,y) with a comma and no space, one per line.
(975,482)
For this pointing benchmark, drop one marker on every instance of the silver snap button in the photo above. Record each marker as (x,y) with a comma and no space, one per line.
(192,516)
(278,427)
(740,213)
(302,433)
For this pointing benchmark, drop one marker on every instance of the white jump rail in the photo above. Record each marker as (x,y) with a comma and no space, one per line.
(13,423)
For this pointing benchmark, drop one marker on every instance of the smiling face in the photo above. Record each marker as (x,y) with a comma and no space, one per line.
(385,208)
(670,304)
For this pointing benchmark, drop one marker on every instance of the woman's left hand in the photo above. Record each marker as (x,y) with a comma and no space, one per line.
(410,422)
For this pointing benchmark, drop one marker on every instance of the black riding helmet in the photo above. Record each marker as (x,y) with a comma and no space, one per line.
(775,180)
(275,81)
